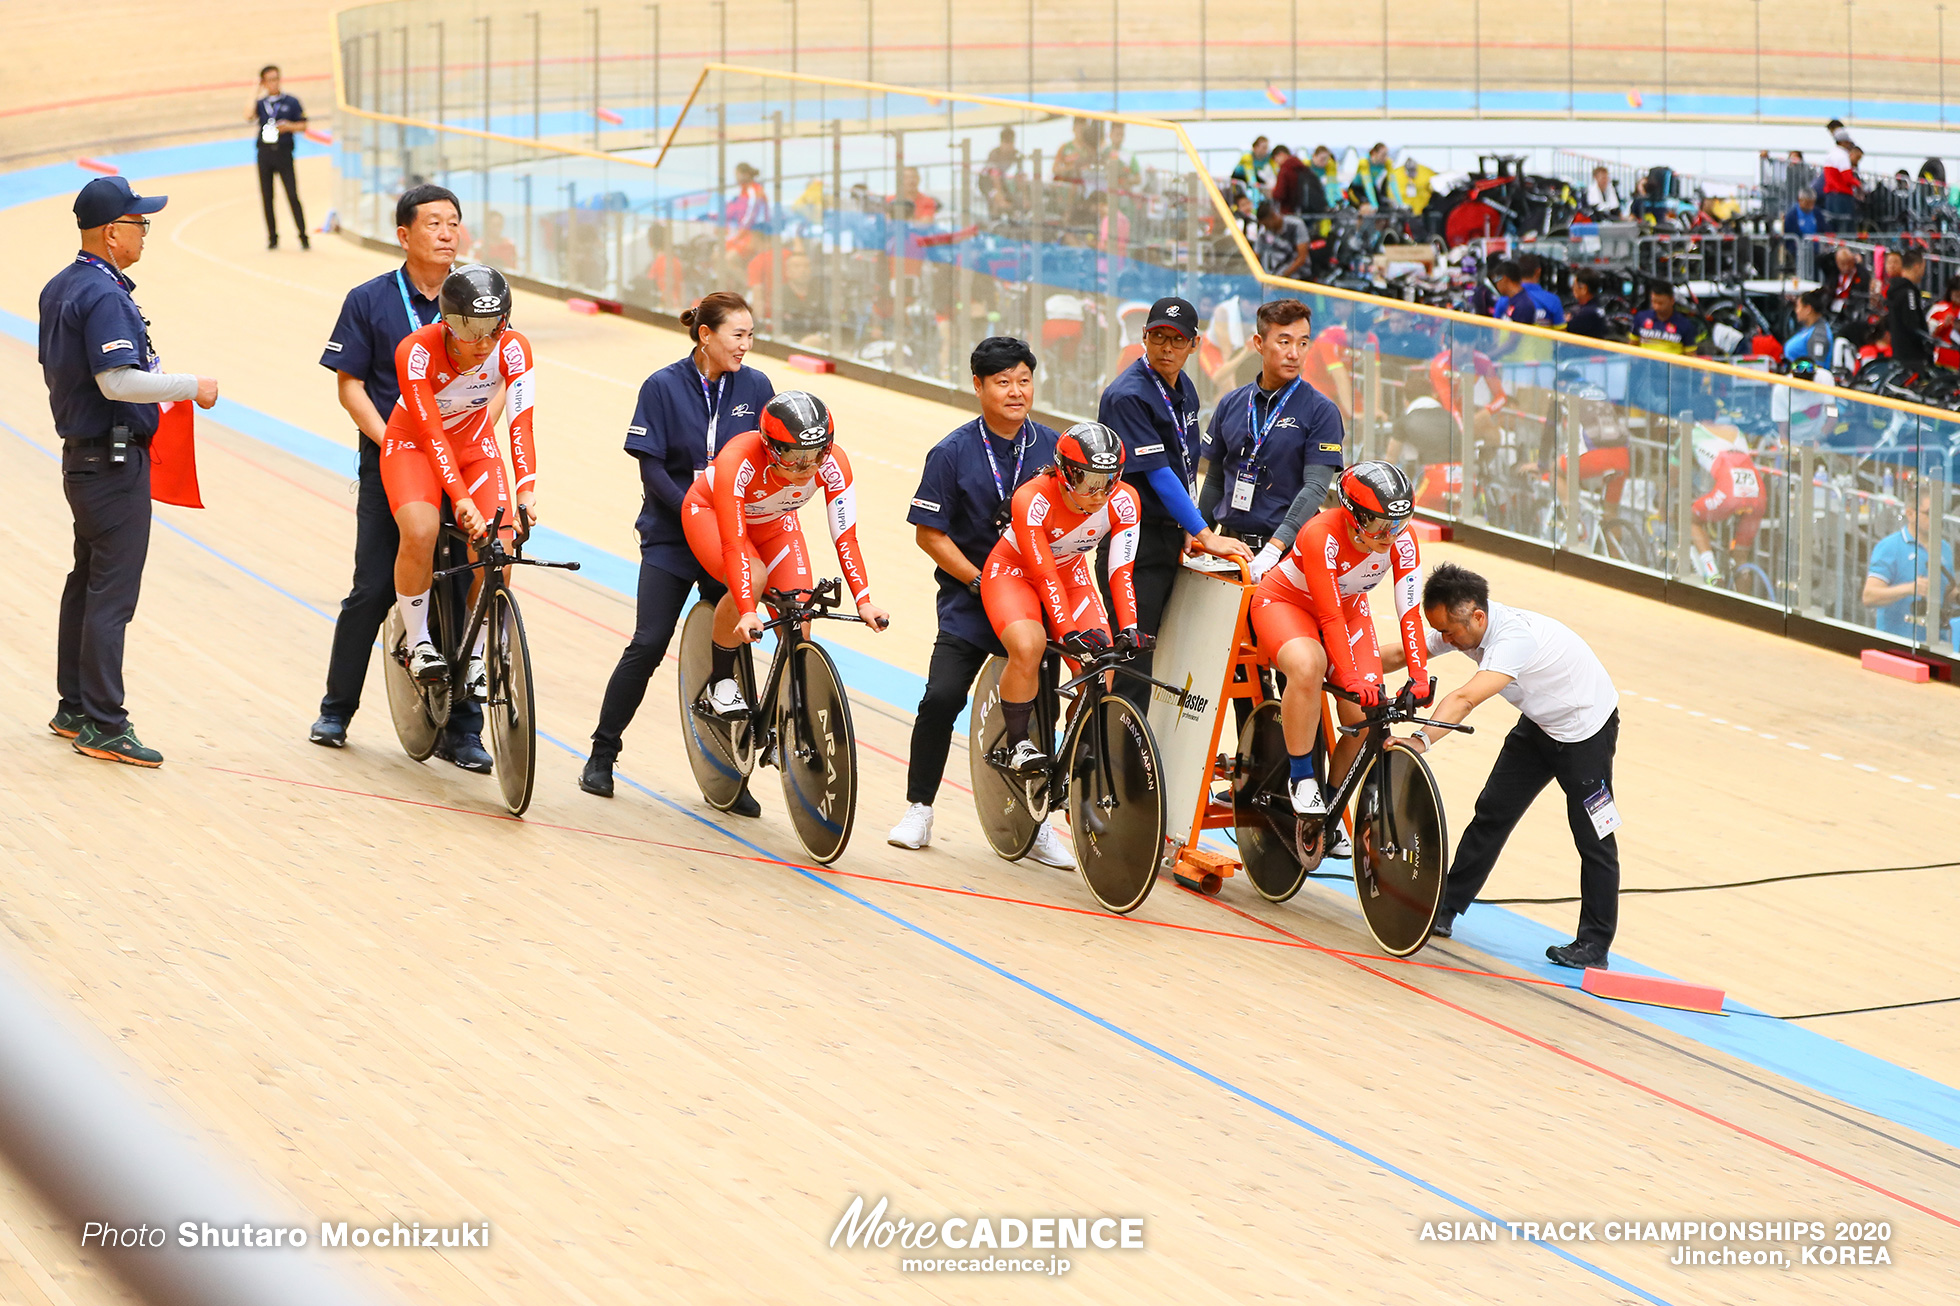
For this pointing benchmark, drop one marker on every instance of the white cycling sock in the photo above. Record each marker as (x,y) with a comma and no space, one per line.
(482,634)
(415,616)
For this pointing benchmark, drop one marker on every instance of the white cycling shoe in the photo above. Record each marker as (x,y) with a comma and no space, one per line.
(1337,840)
(1027,759)
(914,829)
(476,680)
(725,700)
(1049,850)
(1307,798)
(426,666)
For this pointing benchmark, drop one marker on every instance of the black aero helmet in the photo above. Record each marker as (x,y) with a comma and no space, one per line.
(1377,494)
(475,301)
(1090,456)
(797,428)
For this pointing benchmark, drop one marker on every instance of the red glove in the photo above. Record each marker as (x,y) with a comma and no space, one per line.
(1368,692)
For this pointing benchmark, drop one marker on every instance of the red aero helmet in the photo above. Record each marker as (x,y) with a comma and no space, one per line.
(1089,451)
(795,420)
(1377,492)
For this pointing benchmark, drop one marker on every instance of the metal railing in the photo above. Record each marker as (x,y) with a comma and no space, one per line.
(872,225)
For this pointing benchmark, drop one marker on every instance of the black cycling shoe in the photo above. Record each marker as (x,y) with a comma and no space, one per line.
(465,751)
(1579,956)
(329,732)
(745,804)
(1445,924)
(597,777)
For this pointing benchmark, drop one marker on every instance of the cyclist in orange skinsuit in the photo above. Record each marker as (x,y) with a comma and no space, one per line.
(1039,582)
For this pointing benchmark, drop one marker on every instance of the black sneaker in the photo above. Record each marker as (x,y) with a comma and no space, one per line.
(67,724)
(464,750)
(304,243)
(1579,956)
(329,732)
(93,740)
(745,804)
(1445,924)
(597,778)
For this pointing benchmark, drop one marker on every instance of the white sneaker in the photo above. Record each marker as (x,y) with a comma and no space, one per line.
(725,700)
(1337,840)
(1027,759)
(914,829)
(1307,798)
(1049,850)
(476,680)
(426,666)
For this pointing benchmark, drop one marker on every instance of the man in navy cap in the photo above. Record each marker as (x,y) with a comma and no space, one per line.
(1154,407)
(104,385)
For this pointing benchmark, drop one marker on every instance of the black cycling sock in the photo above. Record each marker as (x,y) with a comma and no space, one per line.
(1016,715)
(724,664)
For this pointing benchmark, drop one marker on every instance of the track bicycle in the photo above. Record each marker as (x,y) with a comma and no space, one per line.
(1105,775)
(510,704)
(1401,844)
(800,723)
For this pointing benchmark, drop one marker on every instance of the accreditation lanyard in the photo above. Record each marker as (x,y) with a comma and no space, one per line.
(415,322)
(1177,420)
(712,397)
(150,359)
(1020,452)
(1246,479)
(269,127)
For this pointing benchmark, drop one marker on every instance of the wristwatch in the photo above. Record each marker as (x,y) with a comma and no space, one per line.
(974,585)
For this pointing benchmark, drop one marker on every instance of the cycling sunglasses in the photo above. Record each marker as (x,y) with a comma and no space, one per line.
(1087,484)
(798,460)
(1378,529)
(474,328)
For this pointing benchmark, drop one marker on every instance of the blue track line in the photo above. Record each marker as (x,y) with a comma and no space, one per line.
(1109,1026)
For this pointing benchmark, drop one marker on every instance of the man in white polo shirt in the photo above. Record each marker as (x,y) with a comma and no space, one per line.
(1567,731)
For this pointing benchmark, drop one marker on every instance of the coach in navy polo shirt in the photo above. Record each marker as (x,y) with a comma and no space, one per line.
(278,117)
(375,317)
(956,515)
(1154,407)
(1273,446)
(104,385)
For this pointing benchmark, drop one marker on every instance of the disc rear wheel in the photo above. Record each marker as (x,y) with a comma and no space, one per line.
(1010,809)
(413,724)
(1270,835)
(718,751)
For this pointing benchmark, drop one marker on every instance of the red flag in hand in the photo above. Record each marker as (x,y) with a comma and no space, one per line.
(173,456)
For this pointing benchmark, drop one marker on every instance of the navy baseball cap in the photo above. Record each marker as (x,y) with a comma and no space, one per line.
(105,199)
(1174,312)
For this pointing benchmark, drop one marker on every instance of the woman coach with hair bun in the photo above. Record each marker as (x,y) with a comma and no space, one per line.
(687,411)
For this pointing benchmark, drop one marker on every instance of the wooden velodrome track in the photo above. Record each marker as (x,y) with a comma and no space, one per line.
(662,1062)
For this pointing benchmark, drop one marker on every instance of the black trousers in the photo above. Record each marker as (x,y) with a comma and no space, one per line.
(277,162)
(1530,760)
(111,506)
(662,599)
(1160,547)
(376,542)
(949,680)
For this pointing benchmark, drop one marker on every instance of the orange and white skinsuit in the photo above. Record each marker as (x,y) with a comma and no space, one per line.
(438,439)
(1043,569)
(1320,590)
(741,507)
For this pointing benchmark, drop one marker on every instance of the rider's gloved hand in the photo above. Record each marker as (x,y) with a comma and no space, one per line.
(1424,694)
(1367,692)
(1085,644)
(1132,637)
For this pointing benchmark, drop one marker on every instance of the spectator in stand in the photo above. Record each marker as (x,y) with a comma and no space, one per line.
(1941,319)
(1255,167)
(912,204)
(802,316)
(1410,184)
(1368,190)
(1513,304)
(1642,208)
(660,284)
(1660,326)
(1282,243)
(1850,285)
(1328,169)
(1899,573)
(1124,175)
(1074,161)
(1244,211)
(1841,186)
(494,247)
(1905,313)
(1877,346)
(1813,338)
(1802,217)
(1603,202)
(1295,187)
(1587,318)
(1001,178)
(1551,309)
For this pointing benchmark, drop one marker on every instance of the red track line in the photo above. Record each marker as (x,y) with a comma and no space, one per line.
(148,95)
(1576,1059)
(1290,941)
(340,503)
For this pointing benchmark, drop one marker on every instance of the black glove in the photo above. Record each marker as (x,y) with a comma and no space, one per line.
(1132,637)
(1084,645)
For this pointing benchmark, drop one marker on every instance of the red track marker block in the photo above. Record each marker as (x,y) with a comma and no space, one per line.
(1891,664)
(806,363)
(317,136)
(582,306)
(1650,990)
(97,165)
(1428,532)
